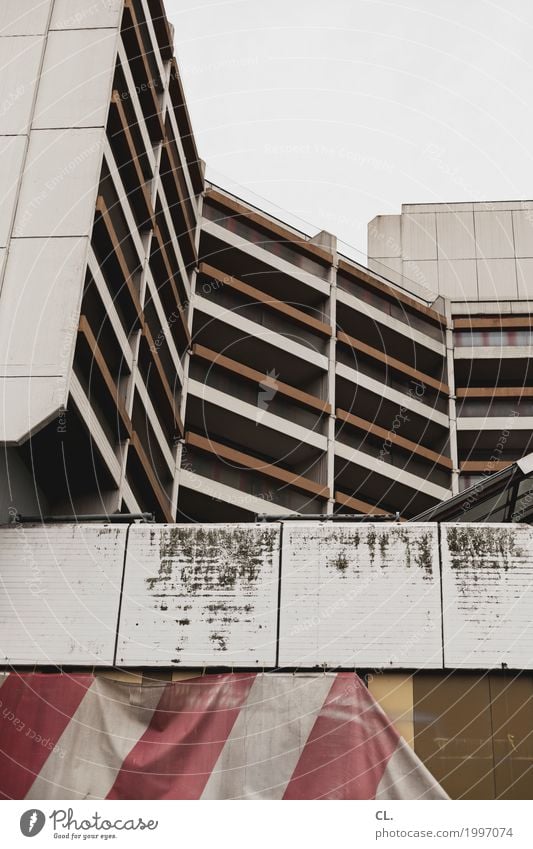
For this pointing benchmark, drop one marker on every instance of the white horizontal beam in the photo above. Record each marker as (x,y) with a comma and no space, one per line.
(259,332)
(376,466)
(257,416)
(383,391)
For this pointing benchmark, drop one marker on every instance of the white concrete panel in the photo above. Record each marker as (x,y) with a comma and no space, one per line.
(59,593)
(388,267)
(360,595)
(518,307)
(455,234)
(21,59)
(437,207)
(75,86)
(400,398)
(458,278)
(487,584)
(502,205)
(90,417)
(419,236)
(86,14)
(257,331)
(39,308)
(11,157)
(497,278)
(27,404)
(228,494)
(384,237)
(381,317)
(523,233)
(494,352)
(394,473)
(494,234)
(24,17)
(497,423)
(424,275)
(464,308)
(265,256)
(524,274)
(39,312)
(200,595)
(58,191)
(278,424)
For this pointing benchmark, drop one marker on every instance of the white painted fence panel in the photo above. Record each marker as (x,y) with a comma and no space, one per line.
(487,581)
(365,595)
(360,595)
(197,595)
(59,593)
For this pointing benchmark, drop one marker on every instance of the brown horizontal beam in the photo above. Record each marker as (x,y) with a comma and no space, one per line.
(130,25)
(162,498)
(494,392)
(271,227)
(185,201)
(391,362)
(491,322)
(358,505)
(163,378)
(116,103)
(487,466)
(273,303)
(249,462)
(395,438)
(85,330)
(170,279)
(162,28)
(255,376)
(182,116)
(359,275)
(103,211)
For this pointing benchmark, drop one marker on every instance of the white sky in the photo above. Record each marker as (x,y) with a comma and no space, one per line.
(340,110)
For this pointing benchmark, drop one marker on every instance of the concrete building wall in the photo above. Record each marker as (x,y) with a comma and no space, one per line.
(55,93)
(98,246)
(165,346)
(461,251)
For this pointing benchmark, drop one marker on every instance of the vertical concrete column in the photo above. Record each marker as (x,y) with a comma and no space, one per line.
(135,340)
(330,389)
(186,362)
(452,411)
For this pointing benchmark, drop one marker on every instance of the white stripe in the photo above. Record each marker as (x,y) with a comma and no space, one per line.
(268,737)
(109,721)
(406,777)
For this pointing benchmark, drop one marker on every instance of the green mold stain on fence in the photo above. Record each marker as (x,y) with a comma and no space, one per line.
(212,558)
(387,547)
(483,548)
(340,563)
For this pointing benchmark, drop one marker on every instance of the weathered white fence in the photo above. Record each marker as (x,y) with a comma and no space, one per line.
(292,594)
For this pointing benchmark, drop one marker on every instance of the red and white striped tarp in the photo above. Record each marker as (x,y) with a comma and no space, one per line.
(232,736)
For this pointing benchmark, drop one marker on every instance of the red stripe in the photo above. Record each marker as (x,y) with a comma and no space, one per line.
(348,748)
(34,711)
(177,753)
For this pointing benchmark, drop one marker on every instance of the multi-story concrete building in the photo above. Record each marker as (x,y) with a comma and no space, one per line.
(168,348)
(101,184)
(478,257)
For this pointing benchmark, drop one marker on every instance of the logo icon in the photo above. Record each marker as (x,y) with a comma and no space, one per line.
(267,391)
(32,822)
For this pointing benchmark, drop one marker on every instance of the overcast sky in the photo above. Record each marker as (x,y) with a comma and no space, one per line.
(339,110)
